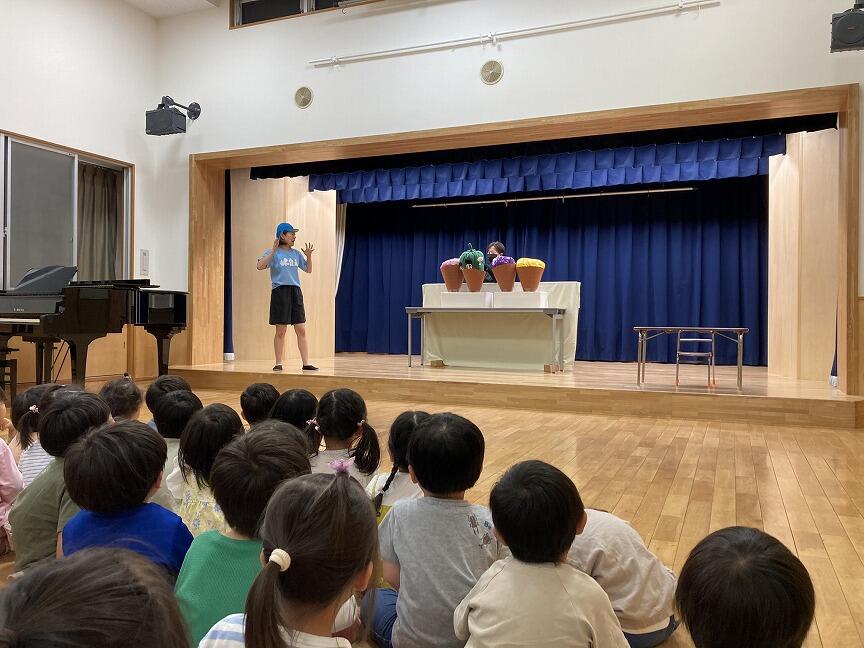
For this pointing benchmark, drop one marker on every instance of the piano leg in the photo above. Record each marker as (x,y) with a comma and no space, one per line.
(40,363)
(48,360)
(163,345)
(78,354)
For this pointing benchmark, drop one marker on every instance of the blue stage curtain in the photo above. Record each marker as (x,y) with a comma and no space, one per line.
(696,258)
(687,162)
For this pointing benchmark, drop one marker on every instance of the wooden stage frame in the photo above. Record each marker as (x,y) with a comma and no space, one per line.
(607,388)
(207,188)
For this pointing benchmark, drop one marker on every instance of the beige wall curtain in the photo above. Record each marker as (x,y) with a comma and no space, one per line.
(341,211)
(98,222)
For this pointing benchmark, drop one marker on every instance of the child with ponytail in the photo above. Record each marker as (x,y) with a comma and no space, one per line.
(340,421)
(320,538)
(386,489)
(32,458)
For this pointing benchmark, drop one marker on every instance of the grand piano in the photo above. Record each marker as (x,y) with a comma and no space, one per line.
(47,308)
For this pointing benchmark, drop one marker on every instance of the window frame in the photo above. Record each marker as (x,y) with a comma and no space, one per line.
(235,13)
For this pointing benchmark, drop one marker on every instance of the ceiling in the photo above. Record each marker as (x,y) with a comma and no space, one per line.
(166,8)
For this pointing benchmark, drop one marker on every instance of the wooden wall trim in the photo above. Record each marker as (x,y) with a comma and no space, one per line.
(206,212)
(847,257)
(811,101)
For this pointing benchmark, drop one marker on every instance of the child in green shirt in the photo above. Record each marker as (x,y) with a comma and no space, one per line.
(219,567)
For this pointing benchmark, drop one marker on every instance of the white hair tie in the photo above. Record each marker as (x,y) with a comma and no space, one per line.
(281,558)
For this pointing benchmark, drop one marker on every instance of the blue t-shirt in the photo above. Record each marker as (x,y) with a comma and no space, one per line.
(150,530)
(283,266)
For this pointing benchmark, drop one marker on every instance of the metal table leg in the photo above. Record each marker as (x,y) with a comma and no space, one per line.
(561,343)
(740,360)
(639,359)
(553,360)
(409,339)
(422,339)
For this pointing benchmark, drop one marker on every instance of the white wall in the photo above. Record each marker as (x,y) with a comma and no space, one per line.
(80,74)
(71,59)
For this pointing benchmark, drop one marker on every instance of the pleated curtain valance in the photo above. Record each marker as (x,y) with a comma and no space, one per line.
(654,163)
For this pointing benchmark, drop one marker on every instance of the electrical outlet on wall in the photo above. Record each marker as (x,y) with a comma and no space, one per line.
(144,263)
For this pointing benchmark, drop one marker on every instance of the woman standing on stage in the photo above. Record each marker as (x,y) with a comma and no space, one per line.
(286,298)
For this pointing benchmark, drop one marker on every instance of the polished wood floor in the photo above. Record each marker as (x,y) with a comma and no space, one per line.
(586,387)
(675,480)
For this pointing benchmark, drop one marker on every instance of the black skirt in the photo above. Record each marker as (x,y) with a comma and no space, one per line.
(286,306)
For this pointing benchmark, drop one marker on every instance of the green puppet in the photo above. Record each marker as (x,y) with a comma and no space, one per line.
(472,258)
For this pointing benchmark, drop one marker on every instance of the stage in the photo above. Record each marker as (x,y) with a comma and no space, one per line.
(586,387)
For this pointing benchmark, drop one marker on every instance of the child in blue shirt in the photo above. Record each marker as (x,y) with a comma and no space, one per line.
(286,298)
(111,473)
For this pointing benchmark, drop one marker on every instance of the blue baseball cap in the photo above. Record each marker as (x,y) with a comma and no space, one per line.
(285,227)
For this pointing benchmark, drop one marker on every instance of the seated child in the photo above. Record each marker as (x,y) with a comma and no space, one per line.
(743,587)
(340,421)
(123,397)
(534,597)
(11,484)
(256,401)
(386,489)
(105,598)
(32,458)
(319,539)
(295,406)
(158,388)
(435,548)
(43,508)
(207,432)
(110,473)
(6,426)
(220,567)
(172,413)
(637,583)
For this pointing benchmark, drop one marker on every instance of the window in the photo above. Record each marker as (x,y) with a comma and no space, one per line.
(250,12)
(60,208)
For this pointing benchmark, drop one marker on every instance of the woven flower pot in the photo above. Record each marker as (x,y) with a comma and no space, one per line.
(452,277)
(474,278)
(505,275)
(529,277)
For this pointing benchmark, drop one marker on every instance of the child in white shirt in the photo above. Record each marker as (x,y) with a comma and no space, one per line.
(534,598)
(386,489)
(641,588)
(340,421)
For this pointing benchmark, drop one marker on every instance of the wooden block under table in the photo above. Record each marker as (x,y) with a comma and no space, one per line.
(437,364)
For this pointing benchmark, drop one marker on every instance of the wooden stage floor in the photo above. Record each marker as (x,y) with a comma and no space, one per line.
(587,387)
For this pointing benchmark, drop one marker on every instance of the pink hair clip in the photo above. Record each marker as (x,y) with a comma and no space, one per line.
(341,466)
(34,409)
(313,422)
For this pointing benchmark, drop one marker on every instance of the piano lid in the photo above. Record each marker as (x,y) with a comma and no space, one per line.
(50,280)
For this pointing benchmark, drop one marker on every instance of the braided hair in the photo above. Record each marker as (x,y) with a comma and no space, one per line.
(397,443)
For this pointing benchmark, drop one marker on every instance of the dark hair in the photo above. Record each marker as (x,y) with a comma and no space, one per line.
(174,411)
(257,400)
(250,467)
(446,452)
(498,245)
(295,406)
(743,587)
(161,386)
(326,524)
(109,598)
(397,442)
(536,509)
(114,466)
(341,412)
(204,436)
(123,397)
(25,413)
(65,415)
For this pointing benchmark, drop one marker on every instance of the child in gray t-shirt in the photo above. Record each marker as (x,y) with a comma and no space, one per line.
(435,548)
